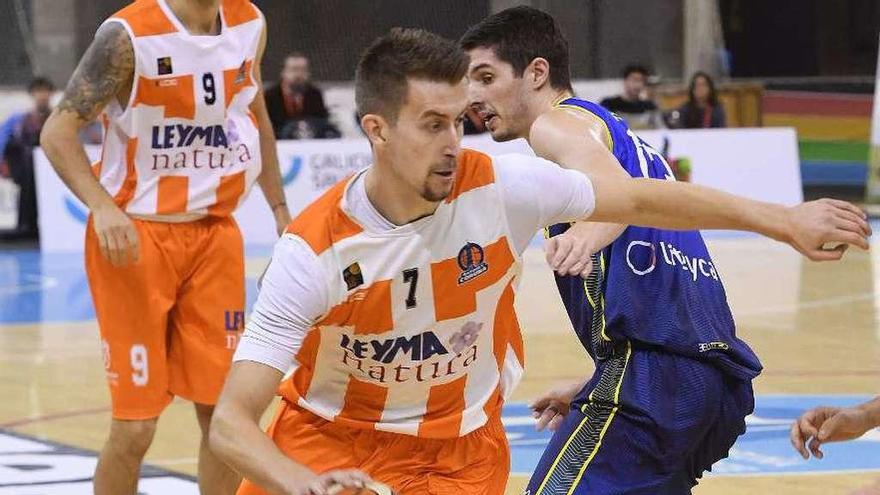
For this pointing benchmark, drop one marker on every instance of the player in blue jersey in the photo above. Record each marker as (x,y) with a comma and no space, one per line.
(672,385)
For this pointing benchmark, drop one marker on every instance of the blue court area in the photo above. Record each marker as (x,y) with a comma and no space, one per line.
(764,449)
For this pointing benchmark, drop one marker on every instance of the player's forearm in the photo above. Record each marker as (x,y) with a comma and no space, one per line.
(270,174)
(67,156)
(238,440)
(872,410)
(599,234)
(683,206)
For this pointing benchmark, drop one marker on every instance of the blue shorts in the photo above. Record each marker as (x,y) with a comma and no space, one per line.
(648,422)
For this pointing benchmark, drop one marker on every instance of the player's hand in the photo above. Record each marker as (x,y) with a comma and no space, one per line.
(828,424)
(330,482)
(117,236)
(569,253)
(550,409)
(817,224)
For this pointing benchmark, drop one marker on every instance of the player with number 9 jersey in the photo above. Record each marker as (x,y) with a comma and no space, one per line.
(186,135)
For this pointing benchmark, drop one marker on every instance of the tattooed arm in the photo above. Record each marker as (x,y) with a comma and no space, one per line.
(105,72)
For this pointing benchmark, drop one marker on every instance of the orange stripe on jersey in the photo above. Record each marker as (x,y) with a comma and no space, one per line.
(145,17)
(323,223)
(507,329)
(229,192)
(175,94)
(367,310)
(364,403)
(237,12)
(173,194)
(455,299)
(474,170)
(444,409)
(129,184)
(237,79)
(298,385)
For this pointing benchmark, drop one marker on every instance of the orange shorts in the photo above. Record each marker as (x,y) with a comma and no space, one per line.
(475,464)
(169,323)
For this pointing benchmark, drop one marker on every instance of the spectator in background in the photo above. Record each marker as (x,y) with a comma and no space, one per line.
(19,135)
(296,106)
(633,106)
(702,110)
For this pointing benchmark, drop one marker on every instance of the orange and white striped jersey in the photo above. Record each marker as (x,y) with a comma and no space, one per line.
(186,143)
(409,329)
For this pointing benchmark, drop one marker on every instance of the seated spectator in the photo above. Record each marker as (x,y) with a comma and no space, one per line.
(702,110)
(19,135)
(295,98)
(638,111)
(308,128)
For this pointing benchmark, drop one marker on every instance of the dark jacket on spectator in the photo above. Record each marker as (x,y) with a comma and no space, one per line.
(693,117)
(312,106)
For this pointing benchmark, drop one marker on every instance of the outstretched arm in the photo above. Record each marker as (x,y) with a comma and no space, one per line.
(682,206)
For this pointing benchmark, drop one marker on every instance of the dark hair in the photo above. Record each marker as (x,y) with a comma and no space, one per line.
(636,69)
(692,114)
(382,73)
(38,83)
(519,35)
(713,96)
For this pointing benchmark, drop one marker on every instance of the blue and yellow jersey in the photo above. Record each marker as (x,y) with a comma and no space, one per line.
(655,288)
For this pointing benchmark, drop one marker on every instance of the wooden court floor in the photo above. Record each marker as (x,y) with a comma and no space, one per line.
(815,327)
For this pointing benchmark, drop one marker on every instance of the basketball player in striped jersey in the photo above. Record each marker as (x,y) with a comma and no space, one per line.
(392,295)
(186,134)
(672,385)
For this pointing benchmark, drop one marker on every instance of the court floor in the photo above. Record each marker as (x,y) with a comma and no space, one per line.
(815,326)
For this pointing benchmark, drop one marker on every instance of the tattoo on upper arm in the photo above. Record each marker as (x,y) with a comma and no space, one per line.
(105,70)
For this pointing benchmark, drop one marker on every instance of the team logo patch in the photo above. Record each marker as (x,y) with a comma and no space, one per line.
(353,276)
(164,66)
(472,261)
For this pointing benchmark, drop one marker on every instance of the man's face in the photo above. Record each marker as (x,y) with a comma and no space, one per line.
(634,84)
(424,143)
(498,95)
(295,73)
(41,97)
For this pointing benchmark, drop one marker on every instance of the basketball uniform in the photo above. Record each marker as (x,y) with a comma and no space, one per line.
(178,157)
(404,339)
(672,385)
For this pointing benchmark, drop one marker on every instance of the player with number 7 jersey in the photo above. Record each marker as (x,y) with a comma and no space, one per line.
(186,134)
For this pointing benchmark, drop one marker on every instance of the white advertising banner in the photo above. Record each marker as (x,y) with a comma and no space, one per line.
(757,163)
(873,190)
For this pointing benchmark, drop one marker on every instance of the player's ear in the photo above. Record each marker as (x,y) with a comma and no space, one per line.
(538,73)
(376,128)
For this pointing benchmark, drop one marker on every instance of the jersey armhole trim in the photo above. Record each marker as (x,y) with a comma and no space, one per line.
(609,140)
(134,70)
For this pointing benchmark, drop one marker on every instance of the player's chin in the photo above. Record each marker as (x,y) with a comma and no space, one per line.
(501,134)
(438,187)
